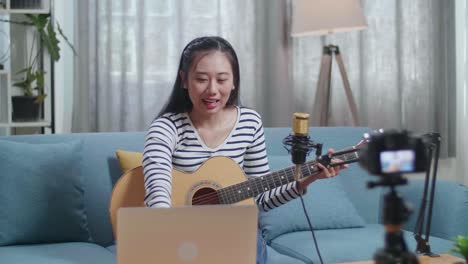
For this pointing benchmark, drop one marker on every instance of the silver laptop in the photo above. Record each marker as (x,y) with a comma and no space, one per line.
(199,234)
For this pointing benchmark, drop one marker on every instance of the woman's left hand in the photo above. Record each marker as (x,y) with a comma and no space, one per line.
(325,173)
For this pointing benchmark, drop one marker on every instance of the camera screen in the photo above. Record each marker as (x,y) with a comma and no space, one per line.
(394,161)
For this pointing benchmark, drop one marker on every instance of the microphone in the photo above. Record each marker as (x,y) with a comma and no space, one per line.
(299,142)
(300,137)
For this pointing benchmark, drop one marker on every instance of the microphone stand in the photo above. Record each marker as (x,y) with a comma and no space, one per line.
(299,145)
(423,246)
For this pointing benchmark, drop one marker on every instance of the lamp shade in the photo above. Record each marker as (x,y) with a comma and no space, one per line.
(320,17)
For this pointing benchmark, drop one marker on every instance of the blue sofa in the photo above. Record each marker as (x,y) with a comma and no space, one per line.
(343,211)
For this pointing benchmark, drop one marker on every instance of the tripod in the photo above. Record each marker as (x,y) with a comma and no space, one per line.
(322,94)
(395,213)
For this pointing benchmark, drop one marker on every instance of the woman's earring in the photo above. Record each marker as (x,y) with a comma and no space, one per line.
(233,87)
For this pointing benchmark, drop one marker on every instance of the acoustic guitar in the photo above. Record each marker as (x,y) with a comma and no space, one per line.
(219,180)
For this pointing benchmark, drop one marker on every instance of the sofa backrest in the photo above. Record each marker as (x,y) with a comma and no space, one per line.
(353,179)
(100,169)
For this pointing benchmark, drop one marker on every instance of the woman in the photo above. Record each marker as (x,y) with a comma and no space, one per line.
(203,119)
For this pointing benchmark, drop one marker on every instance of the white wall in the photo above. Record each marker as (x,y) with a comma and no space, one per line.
(462,73)
(64,13)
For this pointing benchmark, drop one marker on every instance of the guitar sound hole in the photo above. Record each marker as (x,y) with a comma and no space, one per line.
(205,196)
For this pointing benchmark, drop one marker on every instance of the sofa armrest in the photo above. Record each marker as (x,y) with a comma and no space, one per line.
(450,211)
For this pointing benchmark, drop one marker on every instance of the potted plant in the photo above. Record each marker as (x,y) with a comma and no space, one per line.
(461,246)
(27,107)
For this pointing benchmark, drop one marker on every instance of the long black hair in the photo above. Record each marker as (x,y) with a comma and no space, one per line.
(179,101)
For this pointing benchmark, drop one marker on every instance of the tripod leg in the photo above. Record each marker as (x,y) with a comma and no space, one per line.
(322,94)
(347,86)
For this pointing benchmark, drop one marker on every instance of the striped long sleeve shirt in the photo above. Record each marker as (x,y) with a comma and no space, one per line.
(173,142)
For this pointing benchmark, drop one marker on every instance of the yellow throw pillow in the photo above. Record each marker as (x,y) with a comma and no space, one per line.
(128,159)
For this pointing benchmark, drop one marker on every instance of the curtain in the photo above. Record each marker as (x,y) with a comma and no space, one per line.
(129,53)
(401,68)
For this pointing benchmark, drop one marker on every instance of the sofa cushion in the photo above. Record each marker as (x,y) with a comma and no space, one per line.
(129,159)
(273,257)
(60,253)
(42,194)
(326,202)
(341,245)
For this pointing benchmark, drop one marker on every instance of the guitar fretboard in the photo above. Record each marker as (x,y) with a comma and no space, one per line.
(255,186)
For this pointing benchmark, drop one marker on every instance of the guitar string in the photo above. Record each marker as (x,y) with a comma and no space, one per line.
(258,184)
(230,191)
(231,195)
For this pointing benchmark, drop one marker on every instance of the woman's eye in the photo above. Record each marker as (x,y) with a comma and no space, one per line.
(202,79)
(222,80)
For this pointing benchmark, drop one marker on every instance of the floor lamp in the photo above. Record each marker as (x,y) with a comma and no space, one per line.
(322,17)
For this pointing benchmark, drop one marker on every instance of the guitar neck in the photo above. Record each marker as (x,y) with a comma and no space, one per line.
(255,186)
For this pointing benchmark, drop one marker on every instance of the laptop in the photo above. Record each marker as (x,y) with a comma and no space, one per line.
(198,234)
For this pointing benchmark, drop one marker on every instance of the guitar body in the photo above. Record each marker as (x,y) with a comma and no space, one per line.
(216,173)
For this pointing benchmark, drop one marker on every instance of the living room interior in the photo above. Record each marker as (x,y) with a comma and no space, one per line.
(99,72)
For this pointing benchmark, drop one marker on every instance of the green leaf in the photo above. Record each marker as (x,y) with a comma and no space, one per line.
(51,42)
(30,75)
(461,246)
(24,70)
(26,86)
(40,21)
(66,39)
(23,23)
(26,83)
(46,33)
(40,99)
(21,84)
(32,78)
(40,81)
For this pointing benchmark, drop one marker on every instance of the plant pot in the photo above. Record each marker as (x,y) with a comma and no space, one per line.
(24,108)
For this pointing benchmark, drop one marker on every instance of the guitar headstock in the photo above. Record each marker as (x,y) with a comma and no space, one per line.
(366,137)
(347,155)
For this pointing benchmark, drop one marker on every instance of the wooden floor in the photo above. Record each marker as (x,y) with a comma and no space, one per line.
(443,259)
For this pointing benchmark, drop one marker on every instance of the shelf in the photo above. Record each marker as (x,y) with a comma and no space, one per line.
(23,38)
(26,124)
(25,7)
(24,11)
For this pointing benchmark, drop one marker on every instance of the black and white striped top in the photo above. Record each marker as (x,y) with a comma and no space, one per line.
(173,142)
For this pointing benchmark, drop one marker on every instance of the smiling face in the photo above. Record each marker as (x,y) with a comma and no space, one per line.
(210,83)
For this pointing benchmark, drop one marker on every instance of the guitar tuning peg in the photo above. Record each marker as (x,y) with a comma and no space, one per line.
(366,136)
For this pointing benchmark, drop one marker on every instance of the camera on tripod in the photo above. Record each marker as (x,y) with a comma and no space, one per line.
(393,152)
(389,154)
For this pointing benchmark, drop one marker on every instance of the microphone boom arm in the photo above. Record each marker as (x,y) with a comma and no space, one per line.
(423,246)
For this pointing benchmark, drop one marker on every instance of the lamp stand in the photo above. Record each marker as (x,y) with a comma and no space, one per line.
(322,94)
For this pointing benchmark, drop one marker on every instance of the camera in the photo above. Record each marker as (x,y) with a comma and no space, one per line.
(393,152)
